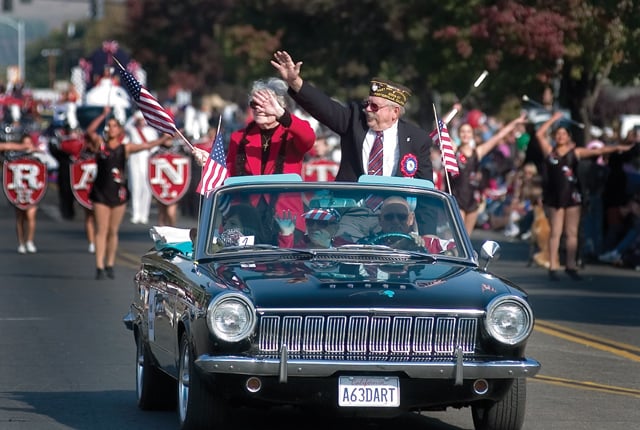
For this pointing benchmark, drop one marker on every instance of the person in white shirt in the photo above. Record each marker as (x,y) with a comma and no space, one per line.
(138,131)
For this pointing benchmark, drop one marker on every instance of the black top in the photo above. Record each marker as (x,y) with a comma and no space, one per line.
(465,187)
(110,185)
(561,187)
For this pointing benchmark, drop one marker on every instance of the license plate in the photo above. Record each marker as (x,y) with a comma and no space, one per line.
(369,391)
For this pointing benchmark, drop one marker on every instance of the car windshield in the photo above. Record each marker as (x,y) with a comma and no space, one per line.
(333,216)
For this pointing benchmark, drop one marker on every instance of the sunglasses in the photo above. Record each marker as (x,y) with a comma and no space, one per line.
(374,107)
(253,104)
(318,222)
(391,216)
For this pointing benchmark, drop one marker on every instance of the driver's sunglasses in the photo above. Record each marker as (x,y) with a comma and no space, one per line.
(318,222)
(374,107)
(391,216)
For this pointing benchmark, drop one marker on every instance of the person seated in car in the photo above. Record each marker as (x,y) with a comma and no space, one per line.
(321,229)
(398,228)
(242,221)
(397,225)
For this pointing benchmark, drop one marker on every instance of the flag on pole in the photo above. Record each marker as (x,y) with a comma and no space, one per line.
(214,171)
(446,147)
(155,115)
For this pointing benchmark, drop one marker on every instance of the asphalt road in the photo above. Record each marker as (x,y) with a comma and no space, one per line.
(67,361)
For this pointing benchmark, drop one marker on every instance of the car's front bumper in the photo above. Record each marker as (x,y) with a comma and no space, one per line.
(457,370)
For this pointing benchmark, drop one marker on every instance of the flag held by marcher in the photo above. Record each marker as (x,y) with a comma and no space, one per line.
(155,115)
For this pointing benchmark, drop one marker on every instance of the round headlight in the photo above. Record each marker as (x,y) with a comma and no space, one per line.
(509,320)
(231,317)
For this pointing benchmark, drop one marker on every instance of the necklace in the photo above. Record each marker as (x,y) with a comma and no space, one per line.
(266,140)
(266,137)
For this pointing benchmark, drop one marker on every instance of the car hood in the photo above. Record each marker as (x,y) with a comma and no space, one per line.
(304,284)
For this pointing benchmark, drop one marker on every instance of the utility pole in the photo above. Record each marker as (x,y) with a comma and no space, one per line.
(19,27)
(97,9)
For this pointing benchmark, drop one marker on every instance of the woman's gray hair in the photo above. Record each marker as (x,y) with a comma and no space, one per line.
(274,85)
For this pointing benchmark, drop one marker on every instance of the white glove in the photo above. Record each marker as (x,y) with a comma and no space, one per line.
(286,222)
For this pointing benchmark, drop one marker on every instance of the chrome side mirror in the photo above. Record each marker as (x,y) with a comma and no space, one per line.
(490,250)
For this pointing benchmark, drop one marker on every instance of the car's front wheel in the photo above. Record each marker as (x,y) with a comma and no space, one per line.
(154,389)
(506,414)
(198,407)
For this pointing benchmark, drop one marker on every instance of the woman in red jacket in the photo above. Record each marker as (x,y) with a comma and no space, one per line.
(274,142)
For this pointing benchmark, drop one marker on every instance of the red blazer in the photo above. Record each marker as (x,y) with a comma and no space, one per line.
(300,139)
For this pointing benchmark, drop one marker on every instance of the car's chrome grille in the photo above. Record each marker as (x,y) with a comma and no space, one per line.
(373,336)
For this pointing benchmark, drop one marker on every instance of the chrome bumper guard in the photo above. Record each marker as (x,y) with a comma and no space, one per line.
(128,320)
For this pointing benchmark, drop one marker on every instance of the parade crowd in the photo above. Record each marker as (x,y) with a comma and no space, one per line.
(576,203)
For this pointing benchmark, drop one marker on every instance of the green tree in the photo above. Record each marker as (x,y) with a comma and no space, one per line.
(581,43)
(176,41)
(435,48)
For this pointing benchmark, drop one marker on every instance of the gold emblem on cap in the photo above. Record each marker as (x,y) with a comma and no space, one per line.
(390,91)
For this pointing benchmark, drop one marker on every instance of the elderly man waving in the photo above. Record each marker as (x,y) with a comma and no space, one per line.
(375,140)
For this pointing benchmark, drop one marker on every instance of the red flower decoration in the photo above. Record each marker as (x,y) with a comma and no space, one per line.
(409,165)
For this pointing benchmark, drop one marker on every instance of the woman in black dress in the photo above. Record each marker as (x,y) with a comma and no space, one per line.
(466,186)
(561,194)
(109,193)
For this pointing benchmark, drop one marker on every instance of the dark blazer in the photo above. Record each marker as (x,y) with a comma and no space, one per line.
(349,122)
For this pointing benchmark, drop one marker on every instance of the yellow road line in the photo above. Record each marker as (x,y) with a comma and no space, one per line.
(603,344)
(588,385)
(616,348)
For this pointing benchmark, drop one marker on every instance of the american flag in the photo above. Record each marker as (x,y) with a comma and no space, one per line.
(214,171)
(155,115)
(446,147)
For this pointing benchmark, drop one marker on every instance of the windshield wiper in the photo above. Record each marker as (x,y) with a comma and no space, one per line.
(413,255)
(360,246)
(265,247)
(247,247)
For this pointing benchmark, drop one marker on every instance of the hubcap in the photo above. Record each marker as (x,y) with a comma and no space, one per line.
(139,368)
(183,384)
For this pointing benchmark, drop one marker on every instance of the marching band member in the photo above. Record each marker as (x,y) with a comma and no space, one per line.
(64,121)
(138,131)
(25,218)
(562,195)
(466,186)
(110,192)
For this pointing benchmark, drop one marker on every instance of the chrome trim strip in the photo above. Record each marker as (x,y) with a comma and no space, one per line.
(507,369)
(377,311)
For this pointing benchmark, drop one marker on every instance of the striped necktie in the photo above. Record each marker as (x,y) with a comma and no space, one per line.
(375,168)
(375,156)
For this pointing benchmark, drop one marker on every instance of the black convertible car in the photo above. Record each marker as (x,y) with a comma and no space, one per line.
(360,298)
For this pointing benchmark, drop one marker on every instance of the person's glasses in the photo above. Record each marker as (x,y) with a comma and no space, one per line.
(391,216)
(253,104)
(374,107)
